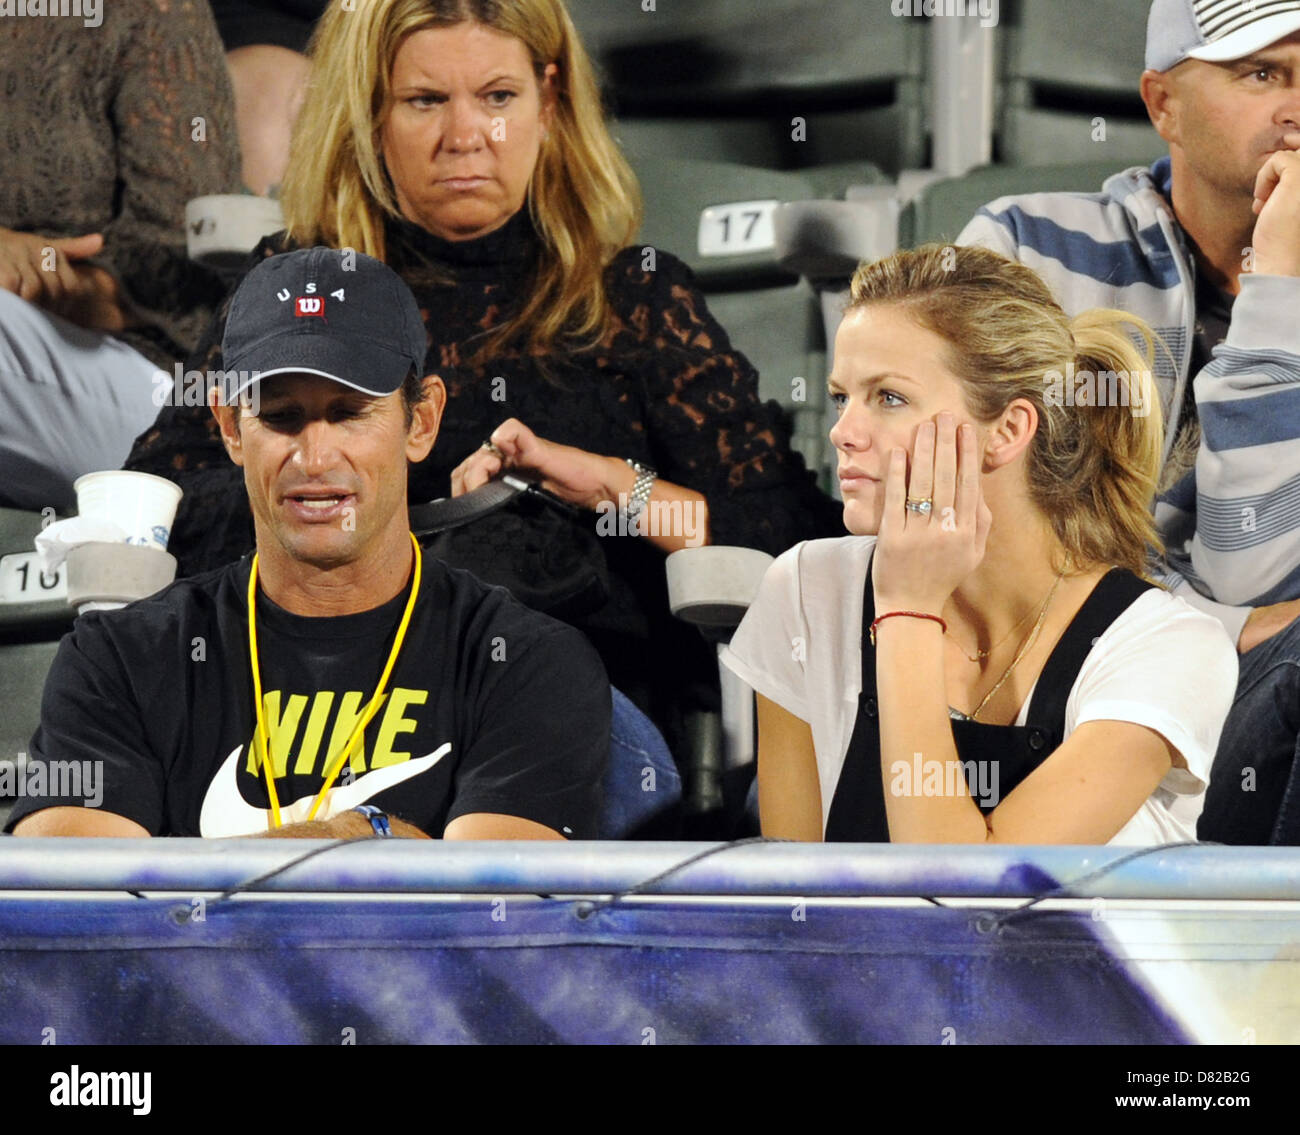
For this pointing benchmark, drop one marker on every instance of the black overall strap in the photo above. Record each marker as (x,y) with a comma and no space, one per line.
(857,812)
(1114,594)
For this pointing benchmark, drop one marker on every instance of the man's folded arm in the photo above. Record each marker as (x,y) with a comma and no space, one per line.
(494,825)
(349,825)
(67,821)
(90,724)
(1248,466)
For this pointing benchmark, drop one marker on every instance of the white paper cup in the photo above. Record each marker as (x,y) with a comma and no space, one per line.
(142,505)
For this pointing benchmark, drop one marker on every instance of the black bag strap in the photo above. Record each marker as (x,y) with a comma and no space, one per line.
(455,512)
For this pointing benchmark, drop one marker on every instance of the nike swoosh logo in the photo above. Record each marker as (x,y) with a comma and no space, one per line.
(226,813)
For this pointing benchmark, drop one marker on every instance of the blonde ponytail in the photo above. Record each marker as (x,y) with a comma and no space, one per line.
(1096,460)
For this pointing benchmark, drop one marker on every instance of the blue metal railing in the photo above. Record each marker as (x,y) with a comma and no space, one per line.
(1204,871)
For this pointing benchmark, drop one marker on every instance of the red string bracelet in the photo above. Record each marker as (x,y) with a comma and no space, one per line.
(909,614)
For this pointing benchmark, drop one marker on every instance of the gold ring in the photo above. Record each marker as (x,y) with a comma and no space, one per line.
(922,506)
(492,449)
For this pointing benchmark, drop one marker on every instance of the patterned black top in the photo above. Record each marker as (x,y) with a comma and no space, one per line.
(664,387)
(112,129)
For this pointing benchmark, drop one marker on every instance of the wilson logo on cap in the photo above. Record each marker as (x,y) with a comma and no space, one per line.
(309,305)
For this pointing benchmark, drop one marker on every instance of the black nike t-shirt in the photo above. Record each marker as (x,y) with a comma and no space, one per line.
(491,707)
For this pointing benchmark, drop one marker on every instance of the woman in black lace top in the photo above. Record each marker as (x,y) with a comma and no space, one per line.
(490,184)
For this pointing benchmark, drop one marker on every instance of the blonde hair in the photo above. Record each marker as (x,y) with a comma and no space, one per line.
(1093,464)
(583,196)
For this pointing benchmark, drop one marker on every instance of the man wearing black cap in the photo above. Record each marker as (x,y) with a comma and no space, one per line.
(338,683)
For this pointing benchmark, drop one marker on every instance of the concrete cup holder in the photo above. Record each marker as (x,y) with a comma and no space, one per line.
(116,573)
(714,586)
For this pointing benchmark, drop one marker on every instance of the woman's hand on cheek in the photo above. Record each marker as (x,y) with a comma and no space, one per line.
(921,559)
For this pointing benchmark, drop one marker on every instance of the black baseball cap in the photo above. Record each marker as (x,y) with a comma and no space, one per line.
(336,313)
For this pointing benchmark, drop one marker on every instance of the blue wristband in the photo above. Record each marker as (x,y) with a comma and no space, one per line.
(378,819)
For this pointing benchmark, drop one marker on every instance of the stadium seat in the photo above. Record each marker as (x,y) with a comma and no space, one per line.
(35,611)
(824,242)
(34,615)
(23,666)
(711,588)
(729,80)
(31,605)
(961,81)
(942,209)
(1064,66)
(718,218)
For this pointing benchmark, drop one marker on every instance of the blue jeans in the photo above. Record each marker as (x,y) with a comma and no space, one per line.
(641,781)
(1254,793)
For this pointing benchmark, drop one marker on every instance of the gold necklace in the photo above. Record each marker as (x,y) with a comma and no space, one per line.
(980,655)
(1025,649)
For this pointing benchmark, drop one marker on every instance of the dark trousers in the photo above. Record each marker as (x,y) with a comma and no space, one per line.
(1254,793)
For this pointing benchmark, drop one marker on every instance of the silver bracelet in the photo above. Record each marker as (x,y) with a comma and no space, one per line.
(641,488)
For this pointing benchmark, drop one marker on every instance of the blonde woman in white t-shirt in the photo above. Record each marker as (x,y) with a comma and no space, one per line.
(1026,683)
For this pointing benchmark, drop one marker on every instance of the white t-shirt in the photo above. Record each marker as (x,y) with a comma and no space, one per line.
(1161,664)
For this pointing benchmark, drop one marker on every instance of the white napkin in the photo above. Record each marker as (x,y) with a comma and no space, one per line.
(55,542)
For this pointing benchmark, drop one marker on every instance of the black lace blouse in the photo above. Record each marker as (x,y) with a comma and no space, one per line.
(664,387)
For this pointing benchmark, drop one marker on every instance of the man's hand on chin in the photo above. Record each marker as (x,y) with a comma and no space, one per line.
(1277,204)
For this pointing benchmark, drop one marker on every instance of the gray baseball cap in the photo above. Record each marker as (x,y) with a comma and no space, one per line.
(338,314)
(1215,30)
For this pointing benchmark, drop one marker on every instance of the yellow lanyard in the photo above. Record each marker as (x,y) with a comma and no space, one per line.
(262,737)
